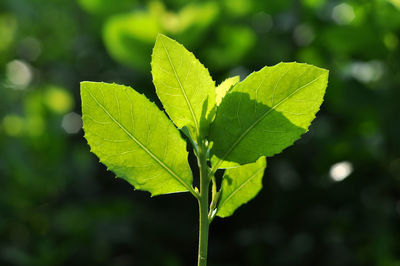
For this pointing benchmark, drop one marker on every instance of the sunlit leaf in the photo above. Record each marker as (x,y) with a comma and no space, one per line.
(224,87)
(267,112)
(134,139)
(183,85)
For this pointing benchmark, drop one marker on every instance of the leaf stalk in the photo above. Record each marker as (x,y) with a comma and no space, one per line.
(203,205)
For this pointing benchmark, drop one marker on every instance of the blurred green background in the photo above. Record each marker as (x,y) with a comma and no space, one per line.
(332,199)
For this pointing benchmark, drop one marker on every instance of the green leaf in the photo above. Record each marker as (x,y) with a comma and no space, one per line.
(183,85)
(239,185)
(134,139)
(224,87)
(267,112)
(195,146)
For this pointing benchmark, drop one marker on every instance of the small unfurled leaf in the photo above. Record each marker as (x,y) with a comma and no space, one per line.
(134,139)
(224,87)
(183,85)
(266,112)
(239,185)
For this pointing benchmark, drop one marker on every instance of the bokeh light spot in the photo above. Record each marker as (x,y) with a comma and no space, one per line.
(343,14)
(19,74)
(13,125)
(58,100)
(391,41)
(71,123)
(303,35)
(262,22)
(367,72)
(339,171)
(29,48)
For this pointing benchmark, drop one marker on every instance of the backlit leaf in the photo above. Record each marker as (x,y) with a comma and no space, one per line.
(134,139)
(224,87)
(267,112)
(239,185)
(183,85)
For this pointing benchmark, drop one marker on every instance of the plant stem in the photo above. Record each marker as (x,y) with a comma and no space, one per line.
(203,206)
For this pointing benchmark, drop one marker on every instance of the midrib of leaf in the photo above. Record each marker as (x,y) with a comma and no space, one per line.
(152,155)
(182,89)
(256,122)
(241,186)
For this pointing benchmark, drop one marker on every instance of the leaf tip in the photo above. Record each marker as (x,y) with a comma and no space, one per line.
(161,37)
(85,84)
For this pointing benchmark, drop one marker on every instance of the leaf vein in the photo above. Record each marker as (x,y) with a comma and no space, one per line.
(182,88)
(276,85)
(234,145)
(143,147)
(241,186)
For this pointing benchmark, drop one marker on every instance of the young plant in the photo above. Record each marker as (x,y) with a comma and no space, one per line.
(234,126)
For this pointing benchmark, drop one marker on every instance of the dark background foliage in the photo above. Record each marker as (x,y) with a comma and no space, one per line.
(331,199)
